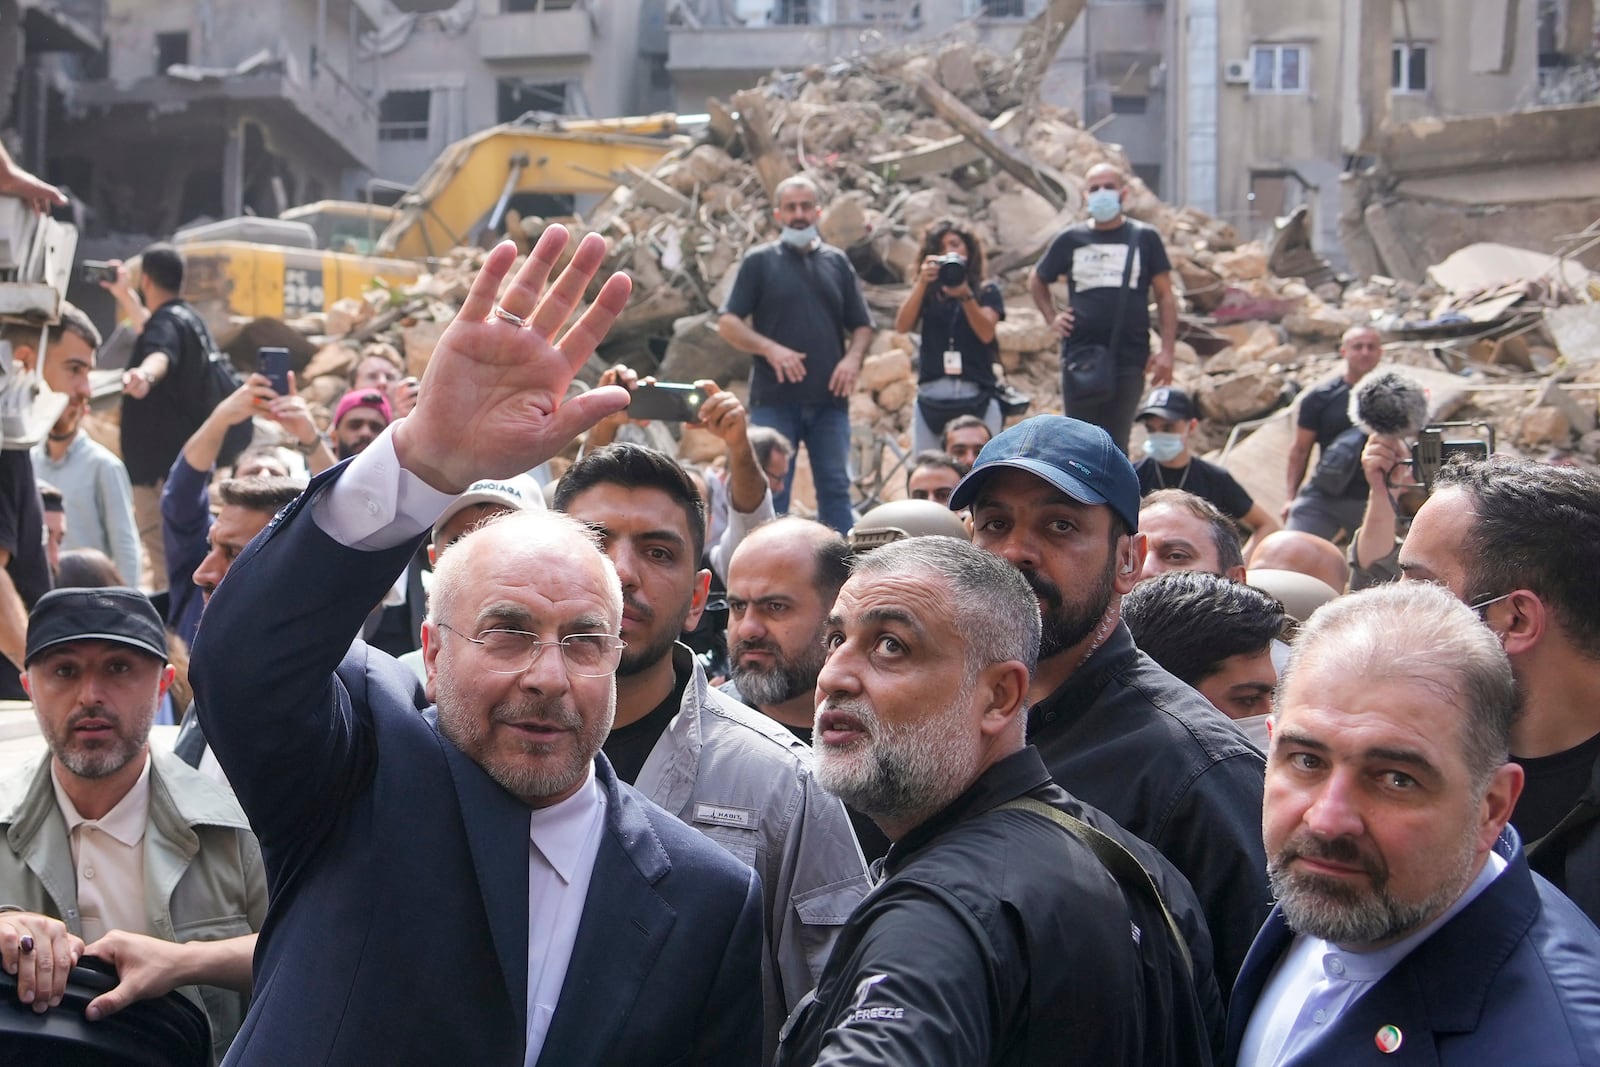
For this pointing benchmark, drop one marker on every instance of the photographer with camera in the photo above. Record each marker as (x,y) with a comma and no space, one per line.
(956,311)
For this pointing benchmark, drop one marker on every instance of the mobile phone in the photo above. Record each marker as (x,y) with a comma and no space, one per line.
(666,402)
(95,271)
(274,363)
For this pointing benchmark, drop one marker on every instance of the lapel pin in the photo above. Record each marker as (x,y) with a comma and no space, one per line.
(1388,1039)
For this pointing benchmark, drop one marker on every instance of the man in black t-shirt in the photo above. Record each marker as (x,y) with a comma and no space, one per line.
(165,394)
(1321,506)
(1093,258)
(1519,541)
(1170,419)
(797,305)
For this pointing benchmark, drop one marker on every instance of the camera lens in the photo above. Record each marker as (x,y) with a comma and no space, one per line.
(952,272)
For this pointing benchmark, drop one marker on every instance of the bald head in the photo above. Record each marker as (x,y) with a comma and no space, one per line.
(799,539)
(1102,172)
(1303,553)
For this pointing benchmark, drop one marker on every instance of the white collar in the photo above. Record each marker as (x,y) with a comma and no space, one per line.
(560,831)
(126,821)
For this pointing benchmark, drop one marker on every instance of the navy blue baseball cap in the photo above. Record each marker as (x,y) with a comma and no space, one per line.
(1076,457)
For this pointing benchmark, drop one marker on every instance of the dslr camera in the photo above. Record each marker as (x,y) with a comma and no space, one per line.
(952,269)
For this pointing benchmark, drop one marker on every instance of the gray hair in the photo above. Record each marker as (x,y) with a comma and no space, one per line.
(559,533)
(996,611)
(1418,631)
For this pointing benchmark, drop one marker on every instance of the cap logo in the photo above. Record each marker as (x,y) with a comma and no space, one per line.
(1080,468)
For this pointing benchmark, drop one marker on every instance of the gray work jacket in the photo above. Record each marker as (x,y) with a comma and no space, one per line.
(745,782)
(203,879)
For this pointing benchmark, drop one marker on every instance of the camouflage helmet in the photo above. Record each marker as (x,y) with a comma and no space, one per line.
(900,519)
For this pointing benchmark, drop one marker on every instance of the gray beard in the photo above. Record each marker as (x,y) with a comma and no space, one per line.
(1346,915)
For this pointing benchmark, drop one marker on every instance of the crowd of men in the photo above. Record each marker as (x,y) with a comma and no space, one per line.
(1070,759)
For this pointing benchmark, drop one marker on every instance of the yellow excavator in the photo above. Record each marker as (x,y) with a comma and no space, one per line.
(318,254)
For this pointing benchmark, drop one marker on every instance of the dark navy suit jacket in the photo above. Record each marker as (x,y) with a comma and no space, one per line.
(398,926)
(1512,980)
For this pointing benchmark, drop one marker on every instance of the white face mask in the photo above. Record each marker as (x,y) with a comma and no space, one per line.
(798,238)
(1104,204)
(1163,447)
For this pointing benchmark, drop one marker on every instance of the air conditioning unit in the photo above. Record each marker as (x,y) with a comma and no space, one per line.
(1236,72)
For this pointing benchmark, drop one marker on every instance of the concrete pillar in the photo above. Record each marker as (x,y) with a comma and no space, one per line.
(233,171)
(1373,47)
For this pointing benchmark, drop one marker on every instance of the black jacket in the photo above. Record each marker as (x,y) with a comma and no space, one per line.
(1129,738)
(996,938)
(1569,855)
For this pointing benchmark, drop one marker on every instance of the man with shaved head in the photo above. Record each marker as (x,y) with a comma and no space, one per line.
(1111,265)
(1303,553)
(1332,501)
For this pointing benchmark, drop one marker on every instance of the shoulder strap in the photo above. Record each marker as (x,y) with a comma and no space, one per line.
(1118,862)
(1122,292)
(184,314)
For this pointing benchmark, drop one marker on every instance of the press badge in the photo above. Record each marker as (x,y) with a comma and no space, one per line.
(952,361)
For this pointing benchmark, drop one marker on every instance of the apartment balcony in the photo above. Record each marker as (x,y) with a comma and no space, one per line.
(63,25)
(548,29)
(330,115)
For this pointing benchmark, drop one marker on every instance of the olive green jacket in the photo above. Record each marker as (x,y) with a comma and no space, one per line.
(202,867)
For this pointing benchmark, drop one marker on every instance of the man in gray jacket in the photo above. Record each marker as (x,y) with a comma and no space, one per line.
(99,822)
(728,771)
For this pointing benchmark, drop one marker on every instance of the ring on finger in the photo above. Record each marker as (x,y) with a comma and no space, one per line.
(505,316)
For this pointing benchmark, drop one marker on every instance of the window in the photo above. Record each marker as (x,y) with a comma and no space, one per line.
(1123,104)
(1278,68)
(171,49)
(515,98)
(1408,68)
(403,115)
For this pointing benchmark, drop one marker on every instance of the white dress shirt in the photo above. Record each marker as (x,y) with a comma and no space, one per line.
(108,856)
(1316,981)
(376,505)
(563,842)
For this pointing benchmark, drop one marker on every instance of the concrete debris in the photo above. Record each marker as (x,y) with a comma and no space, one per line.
(899,139)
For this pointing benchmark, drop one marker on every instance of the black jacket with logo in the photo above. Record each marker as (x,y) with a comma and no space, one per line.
(997,939)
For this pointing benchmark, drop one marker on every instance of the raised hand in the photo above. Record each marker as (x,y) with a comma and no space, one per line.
(492,402)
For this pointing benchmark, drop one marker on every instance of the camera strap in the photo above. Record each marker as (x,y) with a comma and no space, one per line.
(1122,291)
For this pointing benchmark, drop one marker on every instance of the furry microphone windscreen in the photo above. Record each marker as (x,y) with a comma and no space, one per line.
(1388,402)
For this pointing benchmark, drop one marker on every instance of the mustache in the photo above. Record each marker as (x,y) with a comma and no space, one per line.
(543,712)
(741,647)
(97,712)
(1042,587)
(1342,850)
(631,602)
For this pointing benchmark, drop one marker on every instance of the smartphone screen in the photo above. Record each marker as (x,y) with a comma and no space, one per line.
(274,364)
(666,402)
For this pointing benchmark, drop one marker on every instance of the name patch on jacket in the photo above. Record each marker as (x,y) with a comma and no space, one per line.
(721,815)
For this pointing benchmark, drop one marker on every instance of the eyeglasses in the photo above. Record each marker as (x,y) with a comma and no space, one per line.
(514,651)
(1481,606)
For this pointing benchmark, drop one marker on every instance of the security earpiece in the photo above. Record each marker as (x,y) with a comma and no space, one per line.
(1127,568)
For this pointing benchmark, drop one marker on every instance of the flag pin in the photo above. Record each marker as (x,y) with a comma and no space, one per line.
(1389,1038)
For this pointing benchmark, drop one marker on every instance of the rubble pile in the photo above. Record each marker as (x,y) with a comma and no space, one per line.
(901,138)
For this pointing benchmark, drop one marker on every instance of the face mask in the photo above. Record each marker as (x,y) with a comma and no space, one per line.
(799,238)
(1163,447)
(1105,204)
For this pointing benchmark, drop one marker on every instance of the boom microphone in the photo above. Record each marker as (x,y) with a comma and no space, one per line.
(1388,402)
